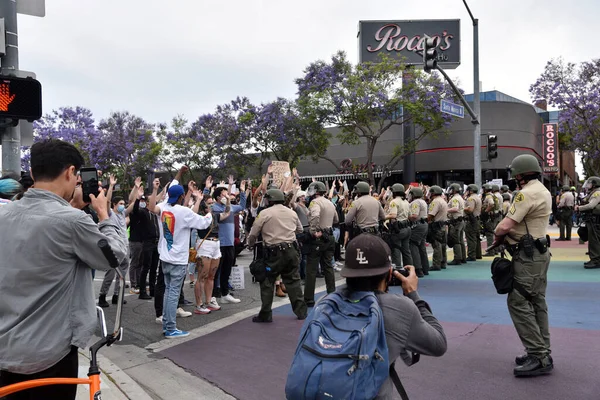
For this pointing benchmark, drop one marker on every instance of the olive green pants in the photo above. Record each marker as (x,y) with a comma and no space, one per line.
(594,241)
(320,252)
(439,248)
(285,263)
(566,223)
(473,239)
(531,318)
(459,247)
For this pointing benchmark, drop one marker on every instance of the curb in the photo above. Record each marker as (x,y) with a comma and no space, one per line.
(117,377)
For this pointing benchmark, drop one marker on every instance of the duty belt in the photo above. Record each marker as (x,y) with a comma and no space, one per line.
(272,250)
(372,230)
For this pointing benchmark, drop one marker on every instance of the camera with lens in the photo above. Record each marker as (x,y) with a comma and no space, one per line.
(403,271)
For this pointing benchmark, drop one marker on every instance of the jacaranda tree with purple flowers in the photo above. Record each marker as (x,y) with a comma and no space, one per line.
(126,145)
(575,91)
(364,101)
(71,124)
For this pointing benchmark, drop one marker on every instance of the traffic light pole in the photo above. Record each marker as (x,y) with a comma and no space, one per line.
(11,135)
(476,100)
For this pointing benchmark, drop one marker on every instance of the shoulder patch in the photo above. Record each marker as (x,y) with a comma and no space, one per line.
(520,197)
(596,194)
(392,205)
(512,210)
(431,205)
(312,203)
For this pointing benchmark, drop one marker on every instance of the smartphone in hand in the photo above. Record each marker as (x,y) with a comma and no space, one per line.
(89,182)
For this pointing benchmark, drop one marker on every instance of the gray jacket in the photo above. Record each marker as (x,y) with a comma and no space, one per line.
(47,250)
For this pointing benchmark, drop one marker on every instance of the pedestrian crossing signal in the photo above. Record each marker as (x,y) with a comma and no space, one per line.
(20,98)
(492,147)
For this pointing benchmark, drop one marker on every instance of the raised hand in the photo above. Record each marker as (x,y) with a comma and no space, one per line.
(156,184)
(112,180)
(231,180)
(191,185)
(198,195)
(242,186)
(265,181)
(138,182)
(209,182)
(184,169)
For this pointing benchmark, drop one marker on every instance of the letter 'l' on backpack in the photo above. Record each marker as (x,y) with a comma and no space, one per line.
(342,352)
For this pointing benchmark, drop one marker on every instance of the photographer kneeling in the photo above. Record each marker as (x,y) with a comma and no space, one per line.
(409,324)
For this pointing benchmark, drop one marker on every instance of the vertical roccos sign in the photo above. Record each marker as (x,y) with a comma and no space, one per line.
(400,39)
(550,147)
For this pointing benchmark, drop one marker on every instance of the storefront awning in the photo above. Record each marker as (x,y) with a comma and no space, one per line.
(362,175)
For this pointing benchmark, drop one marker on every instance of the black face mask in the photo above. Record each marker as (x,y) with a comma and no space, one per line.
(512,184)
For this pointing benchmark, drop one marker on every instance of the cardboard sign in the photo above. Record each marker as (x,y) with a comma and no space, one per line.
(236,279)
(281,171)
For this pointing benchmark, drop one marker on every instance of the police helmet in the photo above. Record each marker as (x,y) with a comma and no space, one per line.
(525,164)
(565,188)
(416,192)
(592,182)
(454,188)
(436,190)
(398,189)
(275,195)
(316,187)
(473,188)
(504,188)
(362,188)
(505,196)
(495,188)
(487,187)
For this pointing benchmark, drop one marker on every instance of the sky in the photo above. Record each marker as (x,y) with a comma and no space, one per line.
(158,59)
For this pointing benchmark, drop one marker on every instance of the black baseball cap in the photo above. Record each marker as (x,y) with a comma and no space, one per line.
(366,255)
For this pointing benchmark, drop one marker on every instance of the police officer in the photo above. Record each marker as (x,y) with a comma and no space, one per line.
(418,217)
(565,210)
(437,216)
(498,205)
(504,189)
(488,216)
(322,216)
(365,212)
(592,218)
(473,224)
(524,229)
(278,226)
(456,224)
(399,226)
(505,204)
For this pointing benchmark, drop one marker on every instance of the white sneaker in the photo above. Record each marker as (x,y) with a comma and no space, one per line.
(182,313)
(229,299)
(213,305)
(159,320)
(336,268)
(201,309)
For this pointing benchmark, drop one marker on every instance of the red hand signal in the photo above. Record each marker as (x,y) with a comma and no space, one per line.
(5,97)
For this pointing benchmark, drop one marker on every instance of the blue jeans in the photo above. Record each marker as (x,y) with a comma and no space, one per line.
(174,275)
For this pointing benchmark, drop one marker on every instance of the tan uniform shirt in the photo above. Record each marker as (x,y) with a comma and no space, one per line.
(278,224)
(474,204)
(533,204)
(366,211)
(322,214)
(505,207)
(487,202)
(401,208)
(456,202)
(566,200)
(438,209)
(500,201)
(593,199)
(418,207)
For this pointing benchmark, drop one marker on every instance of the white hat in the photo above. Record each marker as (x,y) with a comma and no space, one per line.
(301,193)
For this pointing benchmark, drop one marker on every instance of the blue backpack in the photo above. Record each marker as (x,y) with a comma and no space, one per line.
(342,352)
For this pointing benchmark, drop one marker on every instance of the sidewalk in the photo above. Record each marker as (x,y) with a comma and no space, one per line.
(114,383)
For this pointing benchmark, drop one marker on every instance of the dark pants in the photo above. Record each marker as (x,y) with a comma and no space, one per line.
(473,239)
(566,223)
(224,271)
(284,263)
(401,248)
(159,292)
(65,368)
(321,253)
(417,247)
(136,250)
(149,265)
(302,266)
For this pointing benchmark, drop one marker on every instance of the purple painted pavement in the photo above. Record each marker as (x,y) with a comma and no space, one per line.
(250,361)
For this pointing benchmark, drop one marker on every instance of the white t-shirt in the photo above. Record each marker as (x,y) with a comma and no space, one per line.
(176,223)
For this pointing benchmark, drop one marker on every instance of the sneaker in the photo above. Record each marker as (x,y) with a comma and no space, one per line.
(201,309)
(213,305)
(229,299)
(191,283)
(134,291)
(159,320)
(182,313)
(337,269)
(176,333)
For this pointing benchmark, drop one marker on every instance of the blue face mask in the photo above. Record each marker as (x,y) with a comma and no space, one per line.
(121,208)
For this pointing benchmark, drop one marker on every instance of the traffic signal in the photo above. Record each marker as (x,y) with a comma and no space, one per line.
(492,147)
(20,98)
(429,54)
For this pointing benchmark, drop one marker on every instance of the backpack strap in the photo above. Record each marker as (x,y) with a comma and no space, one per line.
(521,290)
(397,382)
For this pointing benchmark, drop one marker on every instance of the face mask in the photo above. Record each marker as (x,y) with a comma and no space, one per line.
(121,208)
(224,201)
(142,205)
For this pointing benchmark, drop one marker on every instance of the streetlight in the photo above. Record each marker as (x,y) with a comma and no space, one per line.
(476,100)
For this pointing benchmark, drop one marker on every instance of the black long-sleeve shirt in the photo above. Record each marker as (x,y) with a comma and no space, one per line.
(142,225)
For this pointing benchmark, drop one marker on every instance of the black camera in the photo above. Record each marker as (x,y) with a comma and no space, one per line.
(403,271)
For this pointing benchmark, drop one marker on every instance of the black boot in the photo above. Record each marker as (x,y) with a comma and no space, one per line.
(102,301)
(534,366)
(520,360)
(454,262)
(115,300)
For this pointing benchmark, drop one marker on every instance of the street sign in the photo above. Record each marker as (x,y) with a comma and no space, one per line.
(36,8)
(453,109)
(20,98)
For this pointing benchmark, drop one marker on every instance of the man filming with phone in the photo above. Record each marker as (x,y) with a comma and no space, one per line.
(49,247)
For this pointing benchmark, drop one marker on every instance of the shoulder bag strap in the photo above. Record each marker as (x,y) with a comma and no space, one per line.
(397,382)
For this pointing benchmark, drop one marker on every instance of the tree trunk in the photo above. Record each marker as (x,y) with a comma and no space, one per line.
(370,149)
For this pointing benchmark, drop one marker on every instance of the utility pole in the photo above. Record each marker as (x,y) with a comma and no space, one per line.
(409,172)
(11,135)
(476,100)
